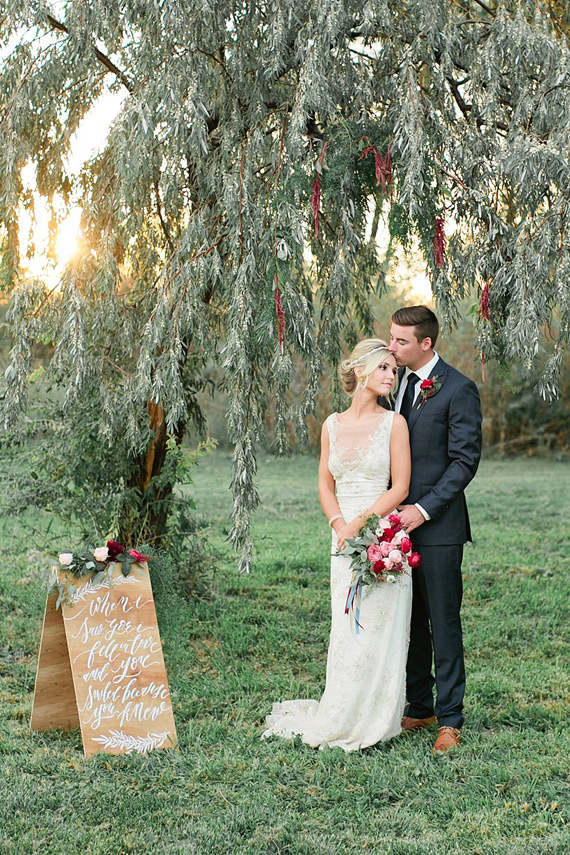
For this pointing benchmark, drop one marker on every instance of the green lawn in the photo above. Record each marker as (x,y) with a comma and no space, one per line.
(264,637)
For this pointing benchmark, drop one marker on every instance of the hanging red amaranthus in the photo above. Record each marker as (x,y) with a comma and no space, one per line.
(484,314)
(484,304)
(316,202)
(439,242)
(383,166)
(316,199)
(280,314)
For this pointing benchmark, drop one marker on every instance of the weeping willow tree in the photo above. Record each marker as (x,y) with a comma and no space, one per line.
(232,213)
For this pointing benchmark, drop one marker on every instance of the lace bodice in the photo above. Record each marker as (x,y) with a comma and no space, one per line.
(359,460)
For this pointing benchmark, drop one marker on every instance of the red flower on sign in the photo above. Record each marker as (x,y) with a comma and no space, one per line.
(114,549)
(138,556)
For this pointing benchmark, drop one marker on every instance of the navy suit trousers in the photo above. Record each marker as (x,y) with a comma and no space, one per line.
(437,594)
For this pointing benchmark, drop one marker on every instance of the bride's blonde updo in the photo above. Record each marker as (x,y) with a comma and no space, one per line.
(368,354)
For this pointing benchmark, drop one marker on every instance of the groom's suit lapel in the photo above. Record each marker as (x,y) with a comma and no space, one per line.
(438,371)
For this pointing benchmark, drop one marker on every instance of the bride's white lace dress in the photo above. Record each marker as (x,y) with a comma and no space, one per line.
(364,694)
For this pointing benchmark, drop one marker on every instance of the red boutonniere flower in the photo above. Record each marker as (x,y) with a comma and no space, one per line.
(428,388)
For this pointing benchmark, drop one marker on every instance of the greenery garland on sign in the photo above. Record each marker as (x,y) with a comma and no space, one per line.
(97,565)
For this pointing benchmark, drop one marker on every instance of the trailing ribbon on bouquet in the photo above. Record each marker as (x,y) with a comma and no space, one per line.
(353,600)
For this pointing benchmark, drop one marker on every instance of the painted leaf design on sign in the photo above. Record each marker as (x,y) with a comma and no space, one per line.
(128,743)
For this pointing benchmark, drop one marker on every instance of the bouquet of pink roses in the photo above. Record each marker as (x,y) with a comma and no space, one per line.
(381,551)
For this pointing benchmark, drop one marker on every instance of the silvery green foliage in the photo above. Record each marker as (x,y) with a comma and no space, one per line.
(200,203)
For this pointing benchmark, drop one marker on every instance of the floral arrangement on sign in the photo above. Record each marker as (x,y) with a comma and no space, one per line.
(98,565)
(381,552)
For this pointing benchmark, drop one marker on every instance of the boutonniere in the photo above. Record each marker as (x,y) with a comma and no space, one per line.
(428,388)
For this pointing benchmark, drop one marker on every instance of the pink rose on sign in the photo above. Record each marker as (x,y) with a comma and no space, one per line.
(65,558)
(395,556)
(406,545)
(414,559)
(374,553)
(101,554)
(385,549)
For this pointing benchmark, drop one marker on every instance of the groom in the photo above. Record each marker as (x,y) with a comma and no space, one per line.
(443,412)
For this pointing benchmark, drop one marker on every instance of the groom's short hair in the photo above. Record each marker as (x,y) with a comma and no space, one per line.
(423,319)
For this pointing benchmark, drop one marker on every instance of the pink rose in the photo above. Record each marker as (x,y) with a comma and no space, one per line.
(101,554)
(138,556)
(385,549)
(65,558)
(373,552)
(414,559)
(395,556)
(406,545)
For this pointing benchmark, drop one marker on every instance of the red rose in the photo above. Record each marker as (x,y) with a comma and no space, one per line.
(378,567)
(138,556)
(114,549)
(414,559)
(394,519)
(388,534)
(427,384)
(406,545)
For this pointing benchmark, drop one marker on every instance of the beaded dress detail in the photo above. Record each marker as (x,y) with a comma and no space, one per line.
(364,696)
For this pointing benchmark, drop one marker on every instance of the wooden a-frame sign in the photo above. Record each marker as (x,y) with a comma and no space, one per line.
(101,667)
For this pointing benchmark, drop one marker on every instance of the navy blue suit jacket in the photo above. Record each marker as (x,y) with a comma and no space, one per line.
(445,441)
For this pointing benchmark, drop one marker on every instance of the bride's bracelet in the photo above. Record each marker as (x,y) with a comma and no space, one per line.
(335,517)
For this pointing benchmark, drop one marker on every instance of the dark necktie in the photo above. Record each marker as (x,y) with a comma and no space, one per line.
(409,395)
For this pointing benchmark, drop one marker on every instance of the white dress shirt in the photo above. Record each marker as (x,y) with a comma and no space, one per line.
(423,373)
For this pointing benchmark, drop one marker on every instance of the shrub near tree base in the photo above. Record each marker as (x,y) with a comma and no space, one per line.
(228,162)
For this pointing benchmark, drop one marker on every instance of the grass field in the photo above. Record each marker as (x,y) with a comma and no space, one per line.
(263,638)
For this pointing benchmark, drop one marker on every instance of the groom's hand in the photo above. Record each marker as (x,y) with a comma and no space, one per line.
(411,517)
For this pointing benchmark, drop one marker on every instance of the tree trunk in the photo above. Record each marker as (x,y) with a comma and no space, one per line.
(145,521)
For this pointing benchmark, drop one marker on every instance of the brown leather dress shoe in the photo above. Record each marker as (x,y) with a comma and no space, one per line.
(447,738)
(409,723)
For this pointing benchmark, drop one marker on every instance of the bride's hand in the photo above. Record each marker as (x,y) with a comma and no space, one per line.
(346,531)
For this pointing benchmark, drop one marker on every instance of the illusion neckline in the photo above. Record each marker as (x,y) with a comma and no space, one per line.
(365,422)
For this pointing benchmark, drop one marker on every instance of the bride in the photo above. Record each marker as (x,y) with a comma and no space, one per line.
(363,449)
